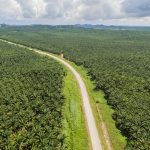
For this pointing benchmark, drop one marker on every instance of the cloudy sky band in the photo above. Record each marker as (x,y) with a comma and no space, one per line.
(132,12)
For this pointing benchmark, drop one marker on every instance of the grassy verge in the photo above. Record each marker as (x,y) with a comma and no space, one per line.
(74,123)
(118,141)
(97,99)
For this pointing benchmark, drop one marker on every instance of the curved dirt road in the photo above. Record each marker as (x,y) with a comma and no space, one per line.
(91,124)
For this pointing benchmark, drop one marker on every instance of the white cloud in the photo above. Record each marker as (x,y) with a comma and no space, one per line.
(98,9)
(74,11)
(9,9)
(32,8)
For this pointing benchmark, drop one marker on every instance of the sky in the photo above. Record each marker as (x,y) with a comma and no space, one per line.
(108,12)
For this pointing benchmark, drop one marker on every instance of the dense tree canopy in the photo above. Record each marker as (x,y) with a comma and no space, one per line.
(119,63)
(31,100)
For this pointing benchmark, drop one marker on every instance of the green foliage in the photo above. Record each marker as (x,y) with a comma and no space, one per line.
(30,100)
(75,129)
(119,63)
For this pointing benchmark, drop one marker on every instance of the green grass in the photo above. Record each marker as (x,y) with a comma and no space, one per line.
(73,110)
(118,141)
(74,123)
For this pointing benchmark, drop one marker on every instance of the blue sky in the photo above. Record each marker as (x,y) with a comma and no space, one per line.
(116,12)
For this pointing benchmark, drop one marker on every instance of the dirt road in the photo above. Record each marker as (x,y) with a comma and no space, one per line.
(91,124)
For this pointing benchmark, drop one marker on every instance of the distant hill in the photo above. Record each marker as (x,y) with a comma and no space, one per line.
(112,27)
(86,26)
